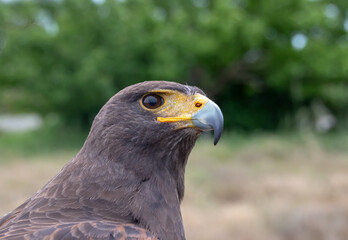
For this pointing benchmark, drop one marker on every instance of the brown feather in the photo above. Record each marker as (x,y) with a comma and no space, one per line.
(127,181)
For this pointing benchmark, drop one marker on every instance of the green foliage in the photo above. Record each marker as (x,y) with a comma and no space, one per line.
(69,57)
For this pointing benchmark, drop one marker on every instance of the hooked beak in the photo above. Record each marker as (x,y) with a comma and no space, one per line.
(199,112)
(209,118)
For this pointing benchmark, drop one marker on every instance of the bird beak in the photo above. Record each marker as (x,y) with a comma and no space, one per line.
(204,116)
(209,117)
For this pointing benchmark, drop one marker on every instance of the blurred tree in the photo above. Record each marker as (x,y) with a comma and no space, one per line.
(262,61)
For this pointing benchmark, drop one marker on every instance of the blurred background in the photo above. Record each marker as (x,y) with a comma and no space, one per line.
(277,69)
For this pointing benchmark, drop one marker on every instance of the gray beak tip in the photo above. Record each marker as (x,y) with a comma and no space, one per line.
(216,139)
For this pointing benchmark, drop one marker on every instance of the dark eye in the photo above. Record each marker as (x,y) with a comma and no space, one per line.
(153,101)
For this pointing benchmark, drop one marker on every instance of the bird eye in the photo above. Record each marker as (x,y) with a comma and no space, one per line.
(153,101)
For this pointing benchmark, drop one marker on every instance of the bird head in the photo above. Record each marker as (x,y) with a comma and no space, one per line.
(156,113)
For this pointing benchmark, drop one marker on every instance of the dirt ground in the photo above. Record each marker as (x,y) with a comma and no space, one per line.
(266,189)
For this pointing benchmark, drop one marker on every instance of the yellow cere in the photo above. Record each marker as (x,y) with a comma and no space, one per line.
(178,107)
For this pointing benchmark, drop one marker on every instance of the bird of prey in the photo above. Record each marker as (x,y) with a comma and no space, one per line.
(127,181)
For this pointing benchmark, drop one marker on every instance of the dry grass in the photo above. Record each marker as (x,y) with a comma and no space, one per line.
(266,188)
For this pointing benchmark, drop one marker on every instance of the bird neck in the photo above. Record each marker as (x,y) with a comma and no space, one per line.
(150,179)
(168,155)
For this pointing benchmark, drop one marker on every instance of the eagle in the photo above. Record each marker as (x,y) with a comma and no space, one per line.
(127,181)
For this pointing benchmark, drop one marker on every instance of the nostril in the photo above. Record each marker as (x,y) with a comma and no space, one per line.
(198,104)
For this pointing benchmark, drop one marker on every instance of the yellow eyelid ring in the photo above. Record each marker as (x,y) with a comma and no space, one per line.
(152,94)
